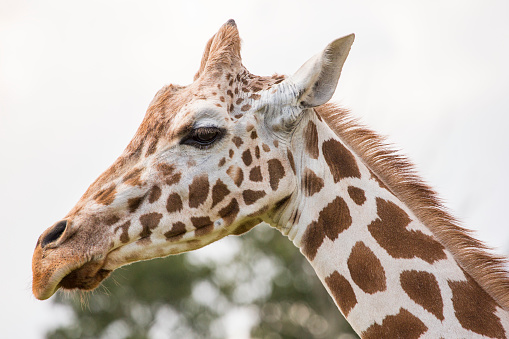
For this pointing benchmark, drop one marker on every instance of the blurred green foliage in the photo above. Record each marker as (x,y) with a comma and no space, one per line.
(258,284)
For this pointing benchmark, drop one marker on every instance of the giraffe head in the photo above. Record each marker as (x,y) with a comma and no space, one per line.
(210,159)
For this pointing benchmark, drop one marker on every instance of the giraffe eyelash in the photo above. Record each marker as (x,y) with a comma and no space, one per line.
(203,137)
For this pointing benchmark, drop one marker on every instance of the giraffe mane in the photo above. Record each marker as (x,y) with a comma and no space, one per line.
(399,175)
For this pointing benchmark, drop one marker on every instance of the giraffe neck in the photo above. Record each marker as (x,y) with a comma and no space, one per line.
(386,271)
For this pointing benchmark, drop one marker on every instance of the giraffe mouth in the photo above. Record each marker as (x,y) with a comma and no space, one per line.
(68,275)
(86,277)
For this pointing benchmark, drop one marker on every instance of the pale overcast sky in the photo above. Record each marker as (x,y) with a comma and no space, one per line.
(76,78)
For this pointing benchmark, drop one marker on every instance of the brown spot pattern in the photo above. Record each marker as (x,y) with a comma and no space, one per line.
(247,158)
(178,229)
(311,138)
(133,177)
(276,173)
(237,141)
(256,174)
(106,196)
(390,232)
(154,195)
(265,147)
(124,236)
(152,147)
(422,287)
(174,203)
(245,108)
(235,172)
(165,169)
(219,191)
(221,162)
(332,220)
(174,179)
(357,195)
(246,226)
(402,325)
(475,309)
(198,190)
(257,152)
(342,292)
(110,220)
(311,182)
(366,270)
(229,212)
(250,196)
(341,162)
(203,225)
(149,222)
(134,203)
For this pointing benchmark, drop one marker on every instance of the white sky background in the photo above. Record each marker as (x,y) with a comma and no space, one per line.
(77,77)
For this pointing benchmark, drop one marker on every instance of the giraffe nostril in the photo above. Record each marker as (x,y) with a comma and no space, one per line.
(54,234)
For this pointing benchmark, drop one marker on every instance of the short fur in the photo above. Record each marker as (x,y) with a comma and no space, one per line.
(399,175)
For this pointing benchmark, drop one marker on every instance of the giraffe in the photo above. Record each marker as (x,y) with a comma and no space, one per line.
(232,150)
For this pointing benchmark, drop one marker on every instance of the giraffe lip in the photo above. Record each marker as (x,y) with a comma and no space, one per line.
(83,276)
(86,277)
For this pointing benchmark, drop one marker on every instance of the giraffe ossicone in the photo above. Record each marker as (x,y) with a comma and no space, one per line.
(232,150)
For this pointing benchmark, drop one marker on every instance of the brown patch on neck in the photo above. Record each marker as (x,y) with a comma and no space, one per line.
(422,287)
(311,183)
(342,292)
(402,325)
(390,232)
(332,220)
(357,195)
(366,270)
(398,173)
(475,309)
(311,139)
(341,162)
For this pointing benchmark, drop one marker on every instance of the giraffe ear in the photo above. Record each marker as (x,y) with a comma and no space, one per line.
(222,50)
(317,79)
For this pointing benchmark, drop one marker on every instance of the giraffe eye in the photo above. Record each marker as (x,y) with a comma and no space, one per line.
(203,136)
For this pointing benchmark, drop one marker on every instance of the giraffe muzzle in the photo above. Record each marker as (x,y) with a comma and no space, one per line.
(58,263)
